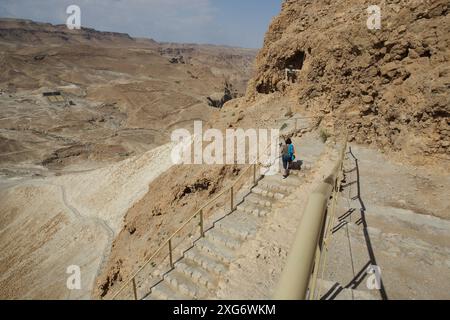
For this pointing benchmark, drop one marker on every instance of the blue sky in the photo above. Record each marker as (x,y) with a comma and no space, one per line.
(229,22)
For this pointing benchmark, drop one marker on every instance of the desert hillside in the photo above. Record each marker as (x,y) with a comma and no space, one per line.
(122,96)
(389,87)
(70,169)
(89,180)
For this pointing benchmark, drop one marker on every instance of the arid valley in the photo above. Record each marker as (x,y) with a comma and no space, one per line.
(87,177)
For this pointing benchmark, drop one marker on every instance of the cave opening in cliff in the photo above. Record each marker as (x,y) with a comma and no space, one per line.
(290,66)
(295,61)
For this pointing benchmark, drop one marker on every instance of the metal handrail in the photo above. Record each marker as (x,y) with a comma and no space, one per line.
(301,269)
(200,211)
(322,248)
(169,240)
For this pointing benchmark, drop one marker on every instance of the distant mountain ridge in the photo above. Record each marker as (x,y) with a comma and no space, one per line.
(13,30)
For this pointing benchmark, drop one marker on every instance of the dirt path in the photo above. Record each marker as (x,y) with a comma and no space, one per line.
(95,220)
(104,225)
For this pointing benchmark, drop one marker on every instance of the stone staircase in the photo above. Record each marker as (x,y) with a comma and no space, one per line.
(196,276)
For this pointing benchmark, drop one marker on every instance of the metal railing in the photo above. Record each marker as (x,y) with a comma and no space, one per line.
(167,253)
(178,243)
(171,244)
(299,278)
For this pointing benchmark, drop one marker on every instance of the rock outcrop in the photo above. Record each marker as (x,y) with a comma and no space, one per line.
(388,87)
(218,100)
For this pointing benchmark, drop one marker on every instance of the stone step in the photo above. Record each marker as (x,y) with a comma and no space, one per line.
(185,285)
(297,177)
(275,187)
(278,184)
(163,291)
(330,290)
(216,250)
(239,224)
(303,173)
(267,192)
(229,241)
(251,208)
(206,261)
(260,200)
(197,274)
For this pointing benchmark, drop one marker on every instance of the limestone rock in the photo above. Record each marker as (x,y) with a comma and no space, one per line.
(399,70)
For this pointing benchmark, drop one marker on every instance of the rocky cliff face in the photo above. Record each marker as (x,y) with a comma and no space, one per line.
(389,87)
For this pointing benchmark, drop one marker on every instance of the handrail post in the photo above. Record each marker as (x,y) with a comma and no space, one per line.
(134,289)
(202,228)
(170,254)
(232,198)
(254,174)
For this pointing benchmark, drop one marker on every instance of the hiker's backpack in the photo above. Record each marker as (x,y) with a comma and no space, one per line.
(291,152)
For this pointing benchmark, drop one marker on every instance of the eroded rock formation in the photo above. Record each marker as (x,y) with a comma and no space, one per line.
(390,86)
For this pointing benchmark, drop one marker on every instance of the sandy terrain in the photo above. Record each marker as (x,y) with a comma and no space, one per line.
(51,223)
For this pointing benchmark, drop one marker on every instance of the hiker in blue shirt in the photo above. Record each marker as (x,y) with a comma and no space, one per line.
(288,155)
